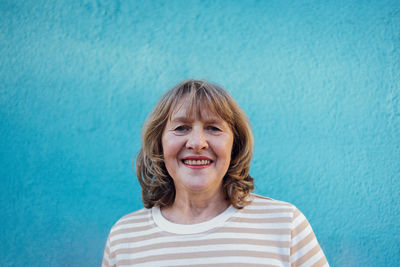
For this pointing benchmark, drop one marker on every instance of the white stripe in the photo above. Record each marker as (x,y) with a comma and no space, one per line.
(131,225)
(105,257)
(134,234)
(110,261)
(263,215)
(214,260)
(205,248)
(303,251)
(313,259)
(270,201)
(300,236)
(232,224)
(258,225)
(268,207)
(165,239)
(299,220)
(134,217)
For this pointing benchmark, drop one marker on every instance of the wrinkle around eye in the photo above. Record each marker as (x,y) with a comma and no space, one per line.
(213,128)
(181,128)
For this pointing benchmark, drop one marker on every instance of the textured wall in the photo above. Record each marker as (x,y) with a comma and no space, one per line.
(318,79)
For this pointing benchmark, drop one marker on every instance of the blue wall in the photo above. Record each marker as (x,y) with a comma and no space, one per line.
(319,80)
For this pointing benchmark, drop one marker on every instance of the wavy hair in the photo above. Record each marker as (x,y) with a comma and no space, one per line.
(157,186)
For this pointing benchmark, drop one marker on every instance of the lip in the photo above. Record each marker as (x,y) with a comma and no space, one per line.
(197,158)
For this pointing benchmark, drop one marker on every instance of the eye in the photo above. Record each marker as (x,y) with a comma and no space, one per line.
(181,128)
(213,128)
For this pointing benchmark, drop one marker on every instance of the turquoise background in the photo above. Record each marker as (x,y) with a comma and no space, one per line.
(318,79)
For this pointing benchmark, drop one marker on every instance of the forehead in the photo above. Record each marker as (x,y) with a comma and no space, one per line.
(192,111)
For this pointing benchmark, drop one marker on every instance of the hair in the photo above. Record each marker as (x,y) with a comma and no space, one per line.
(157,185)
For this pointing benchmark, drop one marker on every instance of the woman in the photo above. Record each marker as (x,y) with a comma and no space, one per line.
(193,168)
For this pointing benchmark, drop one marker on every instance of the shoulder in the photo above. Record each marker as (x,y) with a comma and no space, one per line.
(260,204)
(134,215)
(268,205)
(292,226)
(267,202)
(132,220)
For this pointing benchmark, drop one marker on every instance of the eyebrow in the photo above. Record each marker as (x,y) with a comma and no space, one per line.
(188,119)
(181,119)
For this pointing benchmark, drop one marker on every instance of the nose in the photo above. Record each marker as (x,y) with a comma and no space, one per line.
(197,139)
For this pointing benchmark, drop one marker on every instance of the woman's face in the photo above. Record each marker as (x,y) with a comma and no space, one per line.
(197,152)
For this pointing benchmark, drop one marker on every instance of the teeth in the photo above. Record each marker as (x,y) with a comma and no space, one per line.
(196,162)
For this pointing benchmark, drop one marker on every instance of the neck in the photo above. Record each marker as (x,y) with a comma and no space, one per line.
(191,208)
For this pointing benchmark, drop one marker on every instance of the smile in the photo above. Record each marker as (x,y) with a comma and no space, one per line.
(197,162)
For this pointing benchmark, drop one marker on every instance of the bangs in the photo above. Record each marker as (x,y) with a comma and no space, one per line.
(202,101)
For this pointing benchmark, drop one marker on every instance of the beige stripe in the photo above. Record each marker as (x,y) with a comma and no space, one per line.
(299,228)
(321,262)
(112,255)
(107,250)
(207,242)
(131,230)
(140,212)
(269,203)
(135,213)
(307,256)
(266,211)
(267,231)
(105,263)
(262,220)
(206,254)
(133,220)
(302,243)
(135,239)
(232,265)
(296,213)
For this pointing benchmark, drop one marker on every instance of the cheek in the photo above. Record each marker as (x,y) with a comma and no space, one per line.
(170,148)
(225,151)
(228,146)
(167,150)
(169,156)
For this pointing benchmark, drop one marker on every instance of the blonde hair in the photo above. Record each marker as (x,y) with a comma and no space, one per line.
(157,186)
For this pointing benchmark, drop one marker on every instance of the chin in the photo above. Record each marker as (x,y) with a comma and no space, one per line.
(197,187)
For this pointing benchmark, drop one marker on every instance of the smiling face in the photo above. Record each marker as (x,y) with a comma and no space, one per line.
(197,150)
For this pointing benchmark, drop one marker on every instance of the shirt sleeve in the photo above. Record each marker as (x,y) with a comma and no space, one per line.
(108,260)
(304,248)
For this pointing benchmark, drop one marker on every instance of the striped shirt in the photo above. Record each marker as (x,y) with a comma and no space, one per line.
(266,232)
